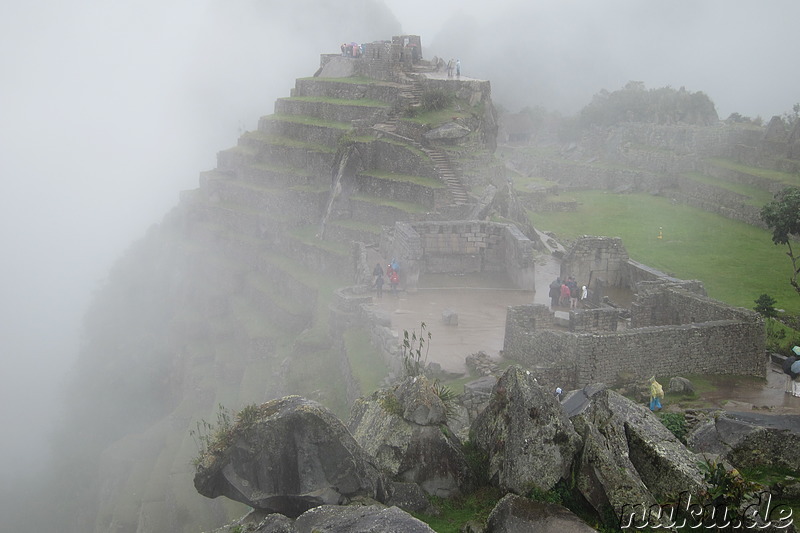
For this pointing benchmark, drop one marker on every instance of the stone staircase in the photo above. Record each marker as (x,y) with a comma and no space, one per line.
(446,172)
(441,164)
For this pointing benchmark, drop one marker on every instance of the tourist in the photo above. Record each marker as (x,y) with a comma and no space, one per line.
(458,68)
(555,292)
(573,292)
(394,281)
(450,66)
(377,272)
(656,394)
(379,283)
(564,294)
(584,295)
(791,367)
(558,393)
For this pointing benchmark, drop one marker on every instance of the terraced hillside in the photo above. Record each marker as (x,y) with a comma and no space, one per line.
(729,169)
(227,302)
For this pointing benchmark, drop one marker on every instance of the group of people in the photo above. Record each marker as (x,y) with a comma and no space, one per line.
(392,272)
(791,367)
(351,50)
(567,293)
(452,66)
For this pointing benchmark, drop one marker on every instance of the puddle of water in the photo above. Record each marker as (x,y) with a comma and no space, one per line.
(743,393)
(481,320)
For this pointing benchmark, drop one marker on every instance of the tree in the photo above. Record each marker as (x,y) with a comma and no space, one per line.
(765,305)
(782,216)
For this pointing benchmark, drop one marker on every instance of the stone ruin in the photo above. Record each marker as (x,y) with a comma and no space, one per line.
(673,327)
(461,247)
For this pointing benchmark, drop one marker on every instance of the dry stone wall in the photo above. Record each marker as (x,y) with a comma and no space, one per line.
(594,352)
(460,247)
(596,257)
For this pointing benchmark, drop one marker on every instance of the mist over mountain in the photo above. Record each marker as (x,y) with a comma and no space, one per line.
(110,110)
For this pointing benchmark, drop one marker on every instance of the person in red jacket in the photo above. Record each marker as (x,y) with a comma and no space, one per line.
(394,281)
(564,294)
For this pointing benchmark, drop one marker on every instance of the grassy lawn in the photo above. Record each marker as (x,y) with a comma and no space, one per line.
(775,175)
(735,261)
(754,196)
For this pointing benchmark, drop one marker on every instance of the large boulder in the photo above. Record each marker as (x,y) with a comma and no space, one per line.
(528,439)
(404,428)
(749,440)
(515,514)
(629,457)
(359,519)
(292,454)
(449,131)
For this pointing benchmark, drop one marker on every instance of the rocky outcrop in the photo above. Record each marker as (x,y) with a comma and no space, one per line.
(515,514)
(361,517)
(292,456)
(629,456)
(749,440)
(529,440)
(358,519)
(405,429)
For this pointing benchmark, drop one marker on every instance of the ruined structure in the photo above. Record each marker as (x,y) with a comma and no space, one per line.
(673,328)
(461,247)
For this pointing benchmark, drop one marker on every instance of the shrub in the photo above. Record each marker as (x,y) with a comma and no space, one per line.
(676,423)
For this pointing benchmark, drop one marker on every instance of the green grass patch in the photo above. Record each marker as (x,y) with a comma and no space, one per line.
(735,261)
(363,139)
(407,207)
(363,102)
(280,140)
(313,189)
(774,175)
(457,385)
(281,169)
(308,120)
(367,365)
(456,512)
(753,195)
(357,225)
(355,80)
(417,180)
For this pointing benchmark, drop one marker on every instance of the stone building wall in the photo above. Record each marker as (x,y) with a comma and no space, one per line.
(596,257)
(518,252)
(460,247)
(660,304)
(383,60)
(594,320)
(723,347)
(637,272)
(572,359)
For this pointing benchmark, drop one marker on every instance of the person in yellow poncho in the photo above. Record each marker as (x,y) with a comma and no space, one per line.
(656,394)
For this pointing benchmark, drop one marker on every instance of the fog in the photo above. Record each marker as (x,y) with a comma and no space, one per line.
(109,109)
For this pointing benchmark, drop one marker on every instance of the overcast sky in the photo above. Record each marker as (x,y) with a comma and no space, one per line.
(109,109)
